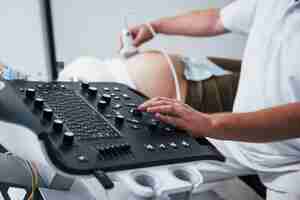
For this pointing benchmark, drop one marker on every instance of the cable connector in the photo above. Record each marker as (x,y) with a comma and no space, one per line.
(105,181)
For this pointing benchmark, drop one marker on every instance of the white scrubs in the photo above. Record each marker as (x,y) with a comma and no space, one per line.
(270,77)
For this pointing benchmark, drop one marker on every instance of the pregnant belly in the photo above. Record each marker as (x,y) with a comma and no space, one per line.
(151,74)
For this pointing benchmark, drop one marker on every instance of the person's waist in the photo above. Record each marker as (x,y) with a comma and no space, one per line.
(268,157)
(287,182)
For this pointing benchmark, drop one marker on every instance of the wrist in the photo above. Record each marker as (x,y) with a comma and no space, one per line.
(156,26)
(214,125)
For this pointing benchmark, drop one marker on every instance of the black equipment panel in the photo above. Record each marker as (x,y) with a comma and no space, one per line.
(95,126)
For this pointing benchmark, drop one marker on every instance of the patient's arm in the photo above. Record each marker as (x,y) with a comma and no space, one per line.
(1,69)
(152,75)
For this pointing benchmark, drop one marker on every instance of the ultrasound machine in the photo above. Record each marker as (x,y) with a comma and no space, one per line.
(92,142)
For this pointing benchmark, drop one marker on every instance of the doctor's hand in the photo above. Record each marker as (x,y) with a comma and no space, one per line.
(180,115)
(140,35)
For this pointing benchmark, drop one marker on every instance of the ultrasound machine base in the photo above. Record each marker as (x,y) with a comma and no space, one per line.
(91,127)
(95,126)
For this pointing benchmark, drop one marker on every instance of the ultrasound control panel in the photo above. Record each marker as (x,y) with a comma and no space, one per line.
(97,126)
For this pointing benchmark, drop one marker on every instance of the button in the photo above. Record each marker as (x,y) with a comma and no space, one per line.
(117,113)
(106,89)
(81,158)
(107,150)
(185,144)
(108,115)
(162,146)
(68,138)
(58,125)
(106,97)
(132,105)
(114,149)
(119,120)
(135,127)
(168,129)
(174,145)
(153,125)
(117,106)
(102,104)
(150,147)
(30,93)
(133,121)
(136,112)
(92,91)
(110,149)
(47,114)
(116,89)
(101,150)
(125,147)
(39,103)
(85,85)
(117,98)
(126,96)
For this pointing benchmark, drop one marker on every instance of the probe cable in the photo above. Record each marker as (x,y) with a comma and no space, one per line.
(170,63)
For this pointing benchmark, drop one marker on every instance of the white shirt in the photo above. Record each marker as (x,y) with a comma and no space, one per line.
(270,74)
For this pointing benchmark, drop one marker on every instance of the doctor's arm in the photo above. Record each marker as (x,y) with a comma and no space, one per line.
(267,125)
(194,23)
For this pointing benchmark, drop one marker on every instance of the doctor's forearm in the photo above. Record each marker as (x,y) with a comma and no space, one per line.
(267,125)
(195,23)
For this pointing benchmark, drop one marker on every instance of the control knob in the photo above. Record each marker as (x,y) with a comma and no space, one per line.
(30,93)
(119,120)
(102,104)
(185,144)
(150,147)
(153,125)
(174,145)
(38,103)
(106,97)
(125,147)
(136,112)
(85,85)
(68,138)
(162,146)
(92,91)
(47,114)
(58,125)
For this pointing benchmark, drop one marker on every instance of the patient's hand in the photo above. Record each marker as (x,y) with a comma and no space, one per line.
(180,115)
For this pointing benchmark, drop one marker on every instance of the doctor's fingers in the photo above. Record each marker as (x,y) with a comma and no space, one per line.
(160,103)
(155,101)
(133,31)
(173,120)
(140,34)
(170,110)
